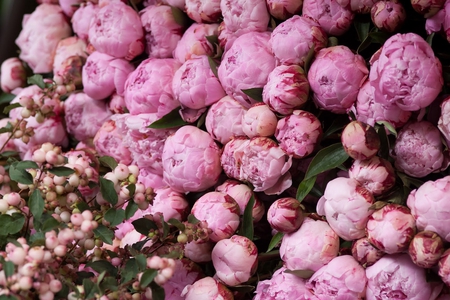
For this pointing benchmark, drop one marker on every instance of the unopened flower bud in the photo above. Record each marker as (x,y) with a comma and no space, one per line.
(365,253)
(360,140)
(388,15)
(285,215)
(426,249)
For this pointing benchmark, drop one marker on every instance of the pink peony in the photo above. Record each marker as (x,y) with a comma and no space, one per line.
(41,32)
(149,88)
(69,50)
(243,16)
(358,6)
(104,74)
(259,120)
(169,203)
(426,248)
(220,212)
(185,273)
(285,215)
(312,246)
(444,119)
(191,160)
(292,40)
(427,8)
(149,179)
(162,32)
(13,74)
(335,77)
(406,72)
(366,253)
(84,116)
(117,104)
(444,267)
(117,31)
(440,20)
(198,251)
(332,17)
(360,140)
(388,15)
(204,11)
(206,289)
(69,6)
(82,18)
(284,9)
(246,65)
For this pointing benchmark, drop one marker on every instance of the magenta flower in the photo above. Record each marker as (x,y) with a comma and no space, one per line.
(82,18)
(358,6)
(204,11)
(243,16)
(332,17)
(388,15)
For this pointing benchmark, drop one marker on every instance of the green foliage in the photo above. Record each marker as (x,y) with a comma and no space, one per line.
(107,190)
(171,120)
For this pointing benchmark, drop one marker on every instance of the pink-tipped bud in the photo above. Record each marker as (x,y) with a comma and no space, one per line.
(285,215)
(426,248)
(388,15)
(365,253)
(360,140)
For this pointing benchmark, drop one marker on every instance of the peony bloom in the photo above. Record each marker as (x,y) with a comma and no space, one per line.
(13,74)
(440,20)
(360,140)
(69,6)
(184,273)
(418,149)
(283,285)
(284,9)
(375,174)
(204,11)
(444,119)
(292,40)
(195,86)
(170,204)
(235,260)
(299,133)
(104,74)
(287,89)
(224,120)
(117,104)
(193,43)
(109,140)
(427,8)
(162,32)
(365,253)
(332,17)
(206,289)
(191,160)
(341,278)
(220,212)
(346,204)
(117,31)
(388,15)
(397,277)
(368,111)
(82,18)
(149,179)
(391,228)
(259,120)
(312,246)
(69,58)
(243,16)
(335,77)
(84,116)
(426,248)
(430,206)
(231,159)
(149,88)
(358,6)
(246,65)
(285,215)
(40,35)
(198,252)
(406,73)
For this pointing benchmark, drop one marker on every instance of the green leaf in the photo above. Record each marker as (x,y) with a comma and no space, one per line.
(49,224)
(26,164)
(104,233)
(148,276)
(11,224)
(305,274)
(192,219)
(174,222)
(6,98)
(336,125)
(213,65)
(115,216)
(143,226)
(165,226)
(61,171)
(4,297)
(305,187)
(107,190)
(109,283)
(37,80)
(8,268)
(130,270)
(275,240)
(103,265)
(384,142)
(170,120)
(131,209)
(362,30)
(108,161)
(20,175)
(326,159)
(132,189)
(309,59)
(141,260)
(10,107)
(36,204)
(157,292)
(430,39)
(7,128)
(180,17)
(202,119)
(389,127)
(212,39)
(254,93)
(82,206)
(408,180)
(90,288)
(247,222)
(332,41)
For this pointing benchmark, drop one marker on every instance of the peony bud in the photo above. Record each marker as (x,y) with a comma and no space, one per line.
(206,289)
(358,6)
(365,253)
(426,248)
(360,140)
(204,11)
(332,17)
(13,74)
(388,15)
(259,120)
(284,9)
(427,8)
(375,174)
(285,215)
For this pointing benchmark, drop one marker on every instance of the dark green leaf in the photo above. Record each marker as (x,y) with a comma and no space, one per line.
(61,171)
(7,128)
(165,226)
(212,39)
(143,226)
(180,226)
(384,142)
(10,107)
(82,206)
(5,297)
(103,265)
(104,233)
(26,164)
(389,127)
(430,39)
(130,270)
(180,17)
(275,240)
(8,268)
(6,98)
(242,288)
(170,120)
(148,276)
(254,93)
(202,119)
(305,187)
(115,216)
(247,222)
(192,219)
(141,260)
(305,274)
(408,180)
(332,41)
(309,59)
(37,80)
(50,224)
(90,289)
(20,175)
(213,65)
(36,204)
(336,125)
(108,161)
(108,283)
(92,184)
(108,191)
(9,153)
(37,238)
(139,245)
(11,224)
(379,37)
(131,209)
(157,292)
(362,30)
(132,189)
(326,159)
